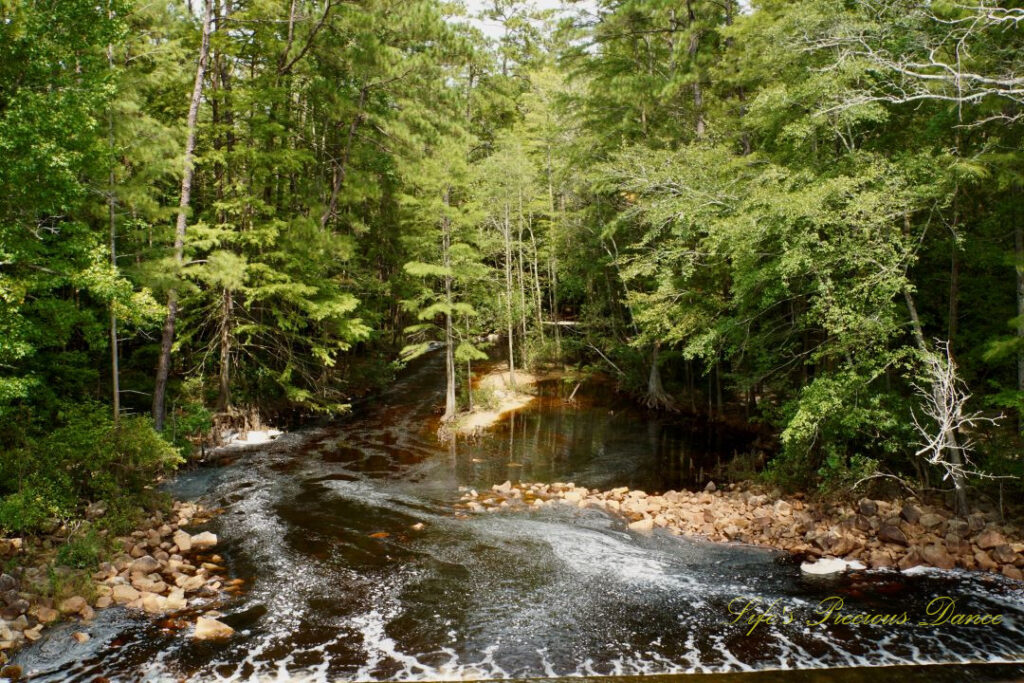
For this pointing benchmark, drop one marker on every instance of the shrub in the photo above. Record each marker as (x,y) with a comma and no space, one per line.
(83,552)
(87,458)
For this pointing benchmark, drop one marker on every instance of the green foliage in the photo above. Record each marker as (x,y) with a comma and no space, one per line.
(81,552)
(86,458)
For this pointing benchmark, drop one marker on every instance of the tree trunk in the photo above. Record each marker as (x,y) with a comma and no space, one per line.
(1018,238)
(698,93)
(537,300)
(656,396)
(340,167)
(449,338)
(224,393)
(115,373)
(507,233)
(167,339)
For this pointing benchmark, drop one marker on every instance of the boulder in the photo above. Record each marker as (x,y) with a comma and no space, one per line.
(910,512)
(931,520)
(153,603)
(183,540)
(73,605)
(642,525)
(911,559)
(1012,573)
(144,565)
(45,615)
(867,507)
(211,629)
(936,556)
(7,583)
(988,539)
(176,601)
(711,488)
(80,637)
(890,533)
(984,561)
(204,541)
(124,594)
(1004,554)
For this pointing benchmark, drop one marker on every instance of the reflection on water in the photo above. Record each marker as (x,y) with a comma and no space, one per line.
(548,593)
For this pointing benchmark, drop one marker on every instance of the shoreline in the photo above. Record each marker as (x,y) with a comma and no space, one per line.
(880,534)
(500,398)
(161,569)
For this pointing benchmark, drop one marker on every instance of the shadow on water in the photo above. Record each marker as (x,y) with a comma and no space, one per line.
(340,586)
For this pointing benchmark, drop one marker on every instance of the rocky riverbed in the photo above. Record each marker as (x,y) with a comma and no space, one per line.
(878,533)
(162,569)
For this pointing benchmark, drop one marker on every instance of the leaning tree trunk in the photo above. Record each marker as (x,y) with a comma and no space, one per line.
(167,339)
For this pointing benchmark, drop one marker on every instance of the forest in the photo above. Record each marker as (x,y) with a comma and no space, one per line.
(806,216)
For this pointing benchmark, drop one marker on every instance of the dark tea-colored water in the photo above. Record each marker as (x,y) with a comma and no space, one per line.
(539,594)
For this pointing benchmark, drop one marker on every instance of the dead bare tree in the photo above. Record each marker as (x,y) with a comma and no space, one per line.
(946,68)
(945,423)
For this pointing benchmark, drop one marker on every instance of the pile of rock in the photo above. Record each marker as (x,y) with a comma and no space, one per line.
(162,569)
(876,532)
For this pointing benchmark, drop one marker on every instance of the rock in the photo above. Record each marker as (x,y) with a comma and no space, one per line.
(45,615)
(1004,554)
(975,522)
(153,603)
(87,613)
(7,583)
(910,513)
(12,672)
(73,605)
(190,584)
(711,488)
(781,507)
(33,634)
(880,560)
(146,584)
(911,559)
(176,601)
(104,601)
(984,561)
(183,540)
(931,520)
(642,525)
(867,507)
(936,556)
(829,565)
(204,541)
(988,539)
(123,594)
(211,629)
(1012,573)
(418,526)
(889,533)
(144,565)
(80,637)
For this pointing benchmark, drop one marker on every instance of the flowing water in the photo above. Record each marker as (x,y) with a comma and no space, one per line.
(539,594)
